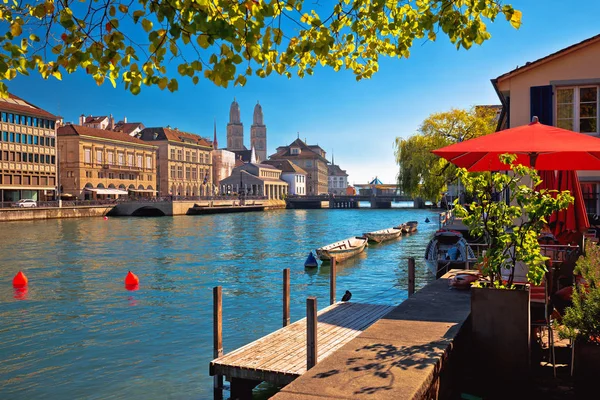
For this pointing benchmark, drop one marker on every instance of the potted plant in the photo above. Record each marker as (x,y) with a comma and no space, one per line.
(581,322)
(510,214)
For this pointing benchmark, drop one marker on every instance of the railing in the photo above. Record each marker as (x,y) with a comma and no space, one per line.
(445,218)
(558,253)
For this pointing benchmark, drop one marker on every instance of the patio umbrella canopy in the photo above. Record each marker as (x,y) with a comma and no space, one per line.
(574,218)
(536,145)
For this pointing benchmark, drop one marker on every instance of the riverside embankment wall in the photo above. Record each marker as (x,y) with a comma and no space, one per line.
(30,214)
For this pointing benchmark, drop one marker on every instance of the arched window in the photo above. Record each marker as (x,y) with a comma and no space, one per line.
(89,185)
(141,187)
(122,187)
(100,186)
(111,186)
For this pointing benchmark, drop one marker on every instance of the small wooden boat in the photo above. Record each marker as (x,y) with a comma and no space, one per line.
(401,228)
(383,235)
(343,249)
(311,261)
(411,226)
(447,250)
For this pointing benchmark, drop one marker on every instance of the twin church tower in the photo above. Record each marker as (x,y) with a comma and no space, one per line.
(258,132)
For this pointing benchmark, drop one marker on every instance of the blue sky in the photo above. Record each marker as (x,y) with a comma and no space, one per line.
(357,121)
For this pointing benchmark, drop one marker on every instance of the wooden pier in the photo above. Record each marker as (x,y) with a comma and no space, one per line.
(281,356)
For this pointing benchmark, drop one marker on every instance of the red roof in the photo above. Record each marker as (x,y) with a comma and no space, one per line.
(18,105)
(78,130)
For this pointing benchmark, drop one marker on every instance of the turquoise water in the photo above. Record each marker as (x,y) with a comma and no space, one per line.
(77,333)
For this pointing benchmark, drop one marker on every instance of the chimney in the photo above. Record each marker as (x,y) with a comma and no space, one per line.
(111,123)
(81,119)
(124,120)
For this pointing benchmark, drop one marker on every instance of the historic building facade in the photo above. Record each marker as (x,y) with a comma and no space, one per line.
(235,134)
(337,179)
(292,174)
(255,180)
(258,134)
(311,159)
(28,158)
(184,162)
(98,163)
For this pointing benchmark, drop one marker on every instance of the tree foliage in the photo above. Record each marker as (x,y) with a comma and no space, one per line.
(422,173)
(141,41)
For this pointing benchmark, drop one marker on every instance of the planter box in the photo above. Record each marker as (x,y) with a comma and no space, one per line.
(587,369)
(501,326)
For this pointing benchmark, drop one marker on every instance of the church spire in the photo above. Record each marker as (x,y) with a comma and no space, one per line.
(332,162)
(253,156)
(215,142)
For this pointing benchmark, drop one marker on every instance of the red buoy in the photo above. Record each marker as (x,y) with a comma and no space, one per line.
(20,280)
(131,279)
(105,218)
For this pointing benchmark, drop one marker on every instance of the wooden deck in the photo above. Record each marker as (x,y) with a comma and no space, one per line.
(280,357)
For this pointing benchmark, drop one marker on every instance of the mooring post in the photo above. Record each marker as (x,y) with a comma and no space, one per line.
(311,332)
(332,277)
(218,331)
(411,276)
(286,297)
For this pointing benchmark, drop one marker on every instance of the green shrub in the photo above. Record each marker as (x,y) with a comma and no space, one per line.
(582,320)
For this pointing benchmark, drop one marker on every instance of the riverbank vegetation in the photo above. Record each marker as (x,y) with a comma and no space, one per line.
(422,173)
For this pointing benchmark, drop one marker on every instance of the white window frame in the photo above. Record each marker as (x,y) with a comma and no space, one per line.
(576,107)
(87,156)
(99,156)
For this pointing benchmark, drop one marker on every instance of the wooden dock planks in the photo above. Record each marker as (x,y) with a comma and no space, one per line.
(280,357)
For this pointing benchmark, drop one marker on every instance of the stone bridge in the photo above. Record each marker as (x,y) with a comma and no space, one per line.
(180,207)
(348,201)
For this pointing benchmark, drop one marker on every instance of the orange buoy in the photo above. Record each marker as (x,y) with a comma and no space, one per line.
(131,279)
(20,280)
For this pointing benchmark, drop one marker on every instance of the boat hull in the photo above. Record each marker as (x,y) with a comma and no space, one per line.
(438,253)
(342,250)
(384,235)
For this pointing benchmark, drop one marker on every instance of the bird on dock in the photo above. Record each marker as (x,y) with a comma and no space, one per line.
(347,296)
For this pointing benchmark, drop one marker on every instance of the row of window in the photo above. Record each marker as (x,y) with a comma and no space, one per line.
(12,137)
(191,173)
(28,180)
(269,174)
(27,120)
(27,157)
(110,158)
(190,156)
(299,178)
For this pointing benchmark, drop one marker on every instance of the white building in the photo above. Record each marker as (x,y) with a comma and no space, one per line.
(292,174)
(337,179)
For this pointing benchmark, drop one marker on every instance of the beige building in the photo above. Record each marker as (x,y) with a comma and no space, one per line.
(255,180)
(561,89)
(28,157)
(98,164)
(184,162)
(311,159)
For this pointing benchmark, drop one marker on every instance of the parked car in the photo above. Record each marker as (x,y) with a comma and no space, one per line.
(23,203)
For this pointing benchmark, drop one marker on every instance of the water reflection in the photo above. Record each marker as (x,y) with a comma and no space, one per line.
(77,331)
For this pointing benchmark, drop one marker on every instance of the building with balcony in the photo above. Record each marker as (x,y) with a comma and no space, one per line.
(561,89)
(28,151)
(311,159)
(98,164)
(292,174)
(255,180)
(184,162)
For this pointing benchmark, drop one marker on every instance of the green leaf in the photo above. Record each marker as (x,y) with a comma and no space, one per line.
(147,25)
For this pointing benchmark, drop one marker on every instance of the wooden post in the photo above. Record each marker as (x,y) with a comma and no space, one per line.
(332,277)
(411,276)
(311,332)
(286,297)
(217,331)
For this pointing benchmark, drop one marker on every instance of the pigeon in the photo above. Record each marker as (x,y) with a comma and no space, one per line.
(347,296)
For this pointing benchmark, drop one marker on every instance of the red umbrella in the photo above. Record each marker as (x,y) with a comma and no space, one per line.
(574,218)
(549,181)
(541,146)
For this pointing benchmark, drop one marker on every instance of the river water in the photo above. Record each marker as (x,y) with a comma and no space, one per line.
(77,333)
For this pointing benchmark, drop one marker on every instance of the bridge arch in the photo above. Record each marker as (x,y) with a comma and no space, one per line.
(148,211)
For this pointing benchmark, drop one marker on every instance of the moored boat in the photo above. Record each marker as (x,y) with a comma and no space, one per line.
(311,261)
(447,250)
(411,226)
(343,249)
(383,235)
